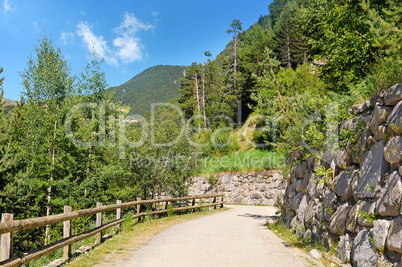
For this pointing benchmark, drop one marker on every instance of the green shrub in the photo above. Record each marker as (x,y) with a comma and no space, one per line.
(170,210)
(386,74)
(128,221)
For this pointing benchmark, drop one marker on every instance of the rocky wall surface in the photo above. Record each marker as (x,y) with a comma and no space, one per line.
(249,188)
(356,206)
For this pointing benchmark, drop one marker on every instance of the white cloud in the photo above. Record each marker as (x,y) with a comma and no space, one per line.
(95,43)
(131,25)
(127,47)
(67,38)
(7,6)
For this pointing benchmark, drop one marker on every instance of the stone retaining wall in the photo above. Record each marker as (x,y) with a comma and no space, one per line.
(359,204)
(249,188)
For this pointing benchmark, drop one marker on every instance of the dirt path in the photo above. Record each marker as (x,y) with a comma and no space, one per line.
(236,237)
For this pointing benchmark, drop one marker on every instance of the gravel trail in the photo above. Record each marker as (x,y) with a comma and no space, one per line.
(236,237)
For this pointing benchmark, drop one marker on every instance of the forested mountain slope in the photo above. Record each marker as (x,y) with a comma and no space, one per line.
(158,84)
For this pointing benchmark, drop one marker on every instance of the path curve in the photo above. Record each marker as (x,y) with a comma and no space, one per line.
(236,237)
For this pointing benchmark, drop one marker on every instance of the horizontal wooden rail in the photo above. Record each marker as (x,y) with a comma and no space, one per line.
(18,225)
(8,227)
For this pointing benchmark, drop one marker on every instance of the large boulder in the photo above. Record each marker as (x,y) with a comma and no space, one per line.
(377,99)
(394,239)
(378,118)
(393,150)
(363,253)
(351,223)
(311,189)
(294,205)
(301,169)
(390,198)
(329,204)
(344,158)
(395,120)
(343,184)
(256,195)
(238,200)
(380,232)
(362,145)
(354,183)
(343,248)
(393,95)
(302,208)
(366,215)
(310,212)
(339,219)
(373,168)
(298,185)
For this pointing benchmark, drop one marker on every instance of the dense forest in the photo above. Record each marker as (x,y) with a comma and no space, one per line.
(66,143)
(302,57)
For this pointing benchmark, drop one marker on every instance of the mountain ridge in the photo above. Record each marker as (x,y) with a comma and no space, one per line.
(157,84)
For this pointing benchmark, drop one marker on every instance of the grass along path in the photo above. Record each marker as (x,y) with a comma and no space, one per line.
(132,238)
(252,160)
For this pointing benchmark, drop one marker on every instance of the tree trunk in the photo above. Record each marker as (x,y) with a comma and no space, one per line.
(235,56)
(203,97)
(198,101)
(49,189)
(288,50)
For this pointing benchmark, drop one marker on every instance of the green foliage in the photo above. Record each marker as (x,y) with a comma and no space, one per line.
(357,50)
(253,160)
(1,79)
(291,46)
(386,74)
(189,90)
(41,169)
(385,25)
(341,39)
(286,234)
(370,217)
(165,161)
(303,95)
(170,210)
(128,221)
(148,217)
(212,179)
(326,176)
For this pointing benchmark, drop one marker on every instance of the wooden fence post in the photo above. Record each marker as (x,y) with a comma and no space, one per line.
(6,239)
(193,204)
(98,222)
(210,201)
(139,209)
(214,202)
(118,213)
(222,202)
(67,233)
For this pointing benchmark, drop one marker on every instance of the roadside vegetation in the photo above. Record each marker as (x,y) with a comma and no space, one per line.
(307,245)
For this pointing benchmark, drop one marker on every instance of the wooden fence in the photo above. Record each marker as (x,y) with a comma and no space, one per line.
(8,225)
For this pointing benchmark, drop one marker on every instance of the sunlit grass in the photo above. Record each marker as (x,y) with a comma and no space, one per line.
(253,160)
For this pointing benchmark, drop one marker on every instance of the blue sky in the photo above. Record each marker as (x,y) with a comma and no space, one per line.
(129,35)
